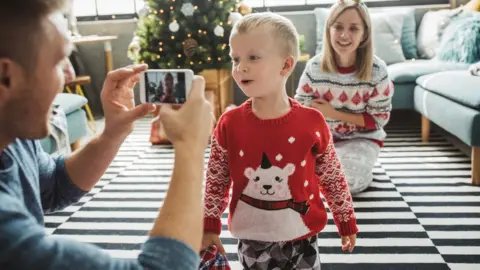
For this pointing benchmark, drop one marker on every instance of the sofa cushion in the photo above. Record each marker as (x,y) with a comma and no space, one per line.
(409,71)
(459,86)
(70,102)
(461,40)
(431,29)
(459,120)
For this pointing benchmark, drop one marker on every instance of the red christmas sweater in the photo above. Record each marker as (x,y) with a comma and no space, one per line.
(276,169)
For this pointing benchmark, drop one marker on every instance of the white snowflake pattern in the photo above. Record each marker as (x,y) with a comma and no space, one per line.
(188,9)
(306,183)
(303,163)
(279,157)
(291,140)
(241,153)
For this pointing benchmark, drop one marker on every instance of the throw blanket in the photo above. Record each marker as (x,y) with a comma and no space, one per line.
(475,69)
(59,131)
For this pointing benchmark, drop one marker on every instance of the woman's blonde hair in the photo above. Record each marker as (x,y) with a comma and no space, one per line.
(281,28)
(364,60)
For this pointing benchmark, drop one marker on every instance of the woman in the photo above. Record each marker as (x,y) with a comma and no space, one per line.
(350,86)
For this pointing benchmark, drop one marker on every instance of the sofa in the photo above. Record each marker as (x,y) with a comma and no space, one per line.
(72,105)
(429,67)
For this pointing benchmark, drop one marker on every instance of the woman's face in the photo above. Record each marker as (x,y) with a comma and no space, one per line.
(347,32)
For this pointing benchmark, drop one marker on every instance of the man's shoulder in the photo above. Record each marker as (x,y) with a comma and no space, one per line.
(23,146)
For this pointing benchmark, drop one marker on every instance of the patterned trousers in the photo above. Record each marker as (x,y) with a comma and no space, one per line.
(298,255)
(358,157)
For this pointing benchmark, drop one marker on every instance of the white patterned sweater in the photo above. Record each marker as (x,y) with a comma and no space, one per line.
(345,92)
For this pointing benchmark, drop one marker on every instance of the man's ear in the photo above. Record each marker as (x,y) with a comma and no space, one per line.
(5,78)
(288,66)
(10,74)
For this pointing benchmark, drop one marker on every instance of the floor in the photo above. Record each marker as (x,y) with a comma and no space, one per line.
(420,212)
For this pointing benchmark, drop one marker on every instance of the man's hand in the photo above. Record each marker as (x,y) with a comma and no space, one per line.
(118,101)
(348,242)
(190,126)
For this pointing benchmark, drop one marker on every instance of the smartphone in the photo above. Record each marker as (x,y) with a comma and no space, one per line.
(165,86)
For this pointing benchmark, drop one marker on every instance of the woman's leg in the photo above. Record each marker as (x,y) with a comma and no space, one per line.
(298,255)
(358,157)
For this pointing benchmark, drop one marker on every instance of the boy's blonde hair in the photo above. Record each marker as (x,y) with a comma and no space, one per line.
(364,60)
(282,29)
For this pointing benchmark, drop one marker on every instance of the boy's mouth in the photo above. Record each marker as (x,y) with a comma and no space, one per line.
(246,82)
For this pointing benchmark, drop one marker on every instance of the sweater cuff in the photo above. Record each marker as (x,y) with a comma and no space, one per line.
(347,228)
(212,225)
(369,121)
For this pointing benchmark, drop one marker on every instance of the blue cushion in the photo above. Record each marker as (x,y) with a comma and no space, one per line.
(409,34)
(461,40)
(459,86)
(77,128)
(409,71)
(70,102)
(459,120)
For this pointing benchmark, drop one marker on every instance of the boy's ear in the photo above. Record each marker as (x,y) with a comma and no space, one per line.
(288,66)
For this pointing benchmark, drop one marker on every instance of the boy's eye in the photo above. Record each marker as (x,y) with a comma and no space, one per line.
(338,27)
(253,57)
(354,29)
(235,60)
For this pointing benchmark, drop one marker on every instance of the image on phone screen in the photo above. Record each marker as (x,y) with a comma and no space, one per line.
(165,87)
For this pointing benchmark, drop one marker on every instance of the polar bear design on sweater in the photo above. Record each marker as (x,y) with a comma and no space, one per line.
(266,210)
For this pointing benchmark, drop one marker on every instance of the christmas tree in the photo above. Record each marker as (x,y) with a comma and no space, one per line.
(190,34)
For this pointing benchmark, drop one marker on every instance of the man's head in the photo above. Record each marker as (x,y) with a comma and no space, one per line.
(33,45)
(264,50)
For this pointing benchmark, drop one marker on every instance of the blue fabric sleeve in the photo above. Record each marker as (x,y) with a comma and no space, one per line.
(25,245)
(56,188)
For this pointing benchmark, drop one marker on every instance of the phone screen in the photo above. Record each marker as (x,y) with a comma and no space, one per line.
(165,87)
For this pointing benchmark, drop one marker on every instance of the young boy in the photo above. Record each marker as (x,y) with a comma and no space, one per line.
(276,165)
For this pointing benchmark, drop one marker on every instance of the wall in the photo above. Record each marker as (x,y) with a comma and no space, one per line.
(93,59)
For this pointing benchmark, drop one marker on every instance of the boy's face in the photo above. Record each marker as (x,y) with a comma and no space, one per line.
(30,97)
(258,62)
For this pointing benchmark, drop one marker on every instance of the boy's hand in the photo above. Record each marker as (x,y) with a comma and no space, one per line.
(209,239)
(348,242)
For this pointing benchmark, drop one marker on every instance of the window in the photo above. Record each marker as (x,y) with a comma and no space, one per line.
(118,9)
(297,5)
(106,9)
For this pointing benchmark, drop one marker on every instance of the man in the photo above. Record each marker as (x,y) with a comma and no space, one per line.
(32,47)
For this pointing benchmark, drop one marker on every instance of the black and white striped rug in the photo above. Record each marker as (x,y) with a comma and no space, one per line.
(420,212)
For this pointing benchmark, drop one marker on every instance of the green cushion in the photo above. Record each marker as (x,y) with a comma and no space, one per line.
(409,71)
(461,121)
(459,86)
(70,102)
